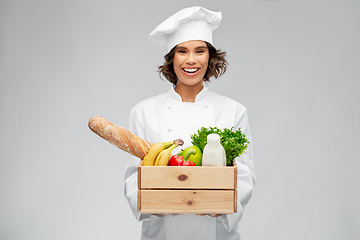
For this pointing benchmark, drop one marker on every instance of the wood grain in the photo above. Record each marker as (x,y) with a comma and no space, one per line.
(177,190)
(201,177)
(187,201)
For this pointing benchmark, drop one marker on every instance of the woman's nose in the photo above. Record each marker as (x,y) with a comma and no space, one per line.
(191,59)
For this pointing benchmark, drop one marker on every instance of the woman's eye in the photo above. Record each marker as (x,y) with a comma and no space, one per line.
(181,51)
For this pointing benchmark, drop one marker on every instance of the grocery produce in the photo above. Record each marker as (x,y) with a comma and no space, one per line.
(164,156)
(182,160)
(195,157)
(234,142)
(176,160)
(160,151)
(188,163)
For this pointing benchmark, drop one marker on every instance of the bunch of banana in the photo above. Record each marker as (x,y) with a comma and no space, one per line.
(159,154)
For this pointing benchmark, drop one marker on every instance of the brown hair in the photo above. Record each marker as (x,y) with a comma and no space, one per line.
(217,65)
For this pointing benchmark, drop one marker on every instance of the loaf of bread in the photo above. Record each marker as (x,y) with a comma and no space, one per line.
(120,137)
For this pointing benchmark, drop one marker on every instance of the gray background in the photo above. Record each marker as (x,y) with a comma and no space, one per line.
(293,64)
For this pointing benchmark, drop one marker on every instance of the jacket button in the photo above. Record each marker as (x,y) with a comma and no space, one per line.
(169,130)
(205,106)
(169,107)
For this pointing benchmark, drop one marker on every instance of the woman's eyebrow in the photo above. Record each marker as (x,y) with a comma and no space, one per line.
(199,47)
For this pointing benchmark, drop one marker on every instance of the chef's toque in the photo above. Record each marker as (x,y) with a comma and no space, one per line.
(194,23)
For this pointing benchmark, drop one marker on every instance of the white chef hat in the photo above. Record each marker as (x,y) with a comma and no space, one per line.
(194,23)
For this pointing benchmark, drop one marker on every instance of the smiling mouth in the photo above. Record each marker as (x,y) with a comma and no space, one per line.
(191,70)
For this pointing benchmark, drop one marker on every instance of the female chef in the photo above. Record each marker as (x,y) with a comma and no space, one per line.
(180,112)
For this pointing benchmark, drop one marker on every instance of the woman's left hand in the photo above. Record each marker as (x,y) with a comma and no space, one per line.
(211,215)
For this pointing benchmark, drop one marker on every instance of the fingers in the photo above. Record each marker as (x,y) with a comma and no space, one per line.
(211,215)
(160,215)
(163,215)
(198,214)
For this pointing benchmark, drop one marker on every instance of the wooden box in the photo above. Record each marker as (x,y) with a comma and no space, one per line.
(187,189)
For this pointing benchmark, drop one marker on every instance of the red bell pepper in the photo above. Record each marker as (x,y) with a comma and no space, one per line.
(177,160)
(188,163)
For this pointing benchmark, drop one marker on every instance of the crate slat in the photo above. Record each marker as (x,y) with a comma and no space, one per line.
(187,177)
(187,201)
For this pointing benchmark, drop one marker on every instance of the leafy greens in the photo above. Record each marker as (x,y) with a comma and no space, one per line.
(234,142)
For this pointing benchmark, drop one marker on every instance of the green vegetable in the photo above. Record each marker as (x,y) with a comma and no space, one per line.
(234,142)
(196,157)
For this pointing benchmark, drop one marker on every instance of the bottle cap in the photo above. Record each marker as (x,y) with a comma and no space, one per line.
(213,139)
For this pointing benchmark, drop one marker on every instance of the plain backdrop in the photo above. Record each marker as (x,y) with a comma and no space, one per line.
(294,64)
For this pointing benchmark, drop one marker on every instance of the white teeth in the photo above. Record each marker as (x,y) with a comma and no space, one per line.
(191,69)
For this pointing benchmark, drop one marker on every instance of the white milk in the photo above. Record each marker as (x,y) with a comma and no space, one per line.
(214,153)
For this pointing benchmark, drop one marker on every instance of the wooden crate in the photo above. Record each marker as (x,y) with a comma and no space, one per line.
(185,189)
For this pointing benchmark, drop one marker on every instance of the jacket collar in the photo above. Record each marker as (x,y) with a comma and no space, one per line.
(175,96)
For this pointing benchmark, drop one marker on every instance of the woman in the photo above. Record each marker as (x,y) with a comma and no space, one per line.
(187,106)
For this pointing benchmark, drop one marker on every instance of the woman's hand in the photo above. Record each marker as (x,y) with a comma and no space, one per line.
(211,215)
(163,215)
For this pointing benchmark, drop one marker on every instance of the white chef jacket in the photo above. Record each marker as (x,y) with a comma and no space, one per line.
(164,118)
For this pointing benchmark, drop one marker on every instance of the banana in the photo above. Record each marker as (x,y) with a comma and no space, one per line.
(157,149)
(164,157)
(157,159)
(149,159)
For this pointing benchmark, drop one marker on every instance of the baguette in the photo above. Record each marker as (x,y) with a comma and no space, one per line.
(120,137)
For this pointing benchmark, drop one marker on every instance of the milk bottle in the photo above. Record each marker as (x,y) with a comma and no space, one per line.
(214,153)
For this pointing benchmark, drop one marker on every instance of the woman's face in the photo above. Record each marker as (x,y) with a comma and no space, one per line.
(190,62)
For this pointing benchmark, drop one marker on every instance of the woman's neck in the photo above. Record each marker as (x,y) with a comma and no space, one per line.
(188,93)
